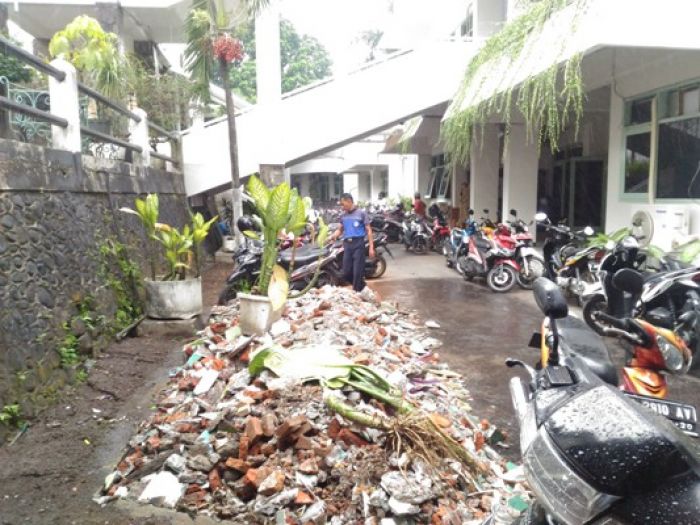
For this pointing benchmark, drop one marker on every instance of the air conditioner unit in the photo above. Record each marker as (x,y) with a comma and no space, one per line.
(671,224)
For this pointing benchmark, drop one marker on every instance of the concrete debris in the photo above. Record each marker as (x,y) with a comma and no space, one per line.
(266,449)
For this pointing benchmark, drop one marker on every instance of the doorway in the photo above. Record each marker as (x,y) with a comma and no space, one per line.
(578,192)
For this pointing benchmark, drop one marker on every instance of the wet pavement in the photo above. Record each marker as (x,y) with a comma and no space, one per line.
(480,329)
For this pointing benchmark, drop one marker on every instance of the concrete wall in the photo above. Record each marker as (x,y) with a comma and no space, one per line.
(56,209)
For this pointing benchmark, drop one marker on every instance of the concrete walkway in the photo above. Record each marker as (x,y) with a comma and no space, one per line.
(480,329)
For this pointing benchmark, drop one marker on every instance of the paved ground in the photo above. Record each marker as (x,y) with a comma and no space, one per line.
(480,329)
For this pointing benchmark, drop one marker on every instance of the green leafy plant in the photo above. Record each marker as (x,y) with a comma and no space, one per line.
(546,100)
(176,245)
(123,277)
(11,415)
(94,53)
(280,209)
(601,239)
(12,68)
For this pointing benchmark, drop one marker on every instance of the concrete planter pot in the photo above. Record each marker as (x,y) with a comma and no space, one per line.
(173,299)
(229,244)
(256,314)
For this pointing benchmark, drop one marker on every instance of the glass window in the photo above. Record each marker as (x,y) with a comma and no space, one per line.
(679,158)
(637,152)
(639,111)
(690,101)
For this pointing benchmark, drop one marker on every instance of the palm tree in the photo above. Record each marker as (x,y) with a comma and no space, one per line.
(210,43)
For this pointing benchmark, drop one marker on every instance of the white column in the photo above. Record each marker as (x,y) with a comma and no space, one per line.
(485,162)
(376,183)
(304,184)
(267,55)
(138,133)
(520,164)
(351,185)
(64,103)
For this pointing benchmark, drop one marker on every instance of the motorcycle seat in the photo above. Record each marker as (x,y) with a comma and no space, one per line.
(304,255)
(576,338)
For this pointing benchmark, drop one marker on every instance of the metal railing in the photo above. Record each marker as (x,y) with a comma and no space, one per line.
(70,137)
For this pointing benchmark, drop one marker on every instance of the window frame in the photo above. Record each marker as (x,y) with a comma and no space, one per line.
(659,107)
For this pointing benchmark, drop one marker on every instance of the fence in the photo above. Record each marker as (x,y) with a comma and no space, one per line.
(64,98)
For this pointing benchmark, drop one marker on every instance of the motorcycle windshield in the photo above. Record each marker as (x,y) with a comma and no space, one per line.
(618,446)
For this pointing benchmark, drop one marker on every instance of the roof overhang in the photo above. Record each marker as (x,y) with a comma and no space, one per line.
(622,23)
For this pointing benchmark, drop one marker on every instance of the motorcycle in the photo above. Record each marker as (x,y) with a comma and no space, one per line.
(374,267)
(654,351)
(416,235)
(592,454)
(440,231)
(567,261)
(517,238)
(485,258)
(457,244)
(389,223)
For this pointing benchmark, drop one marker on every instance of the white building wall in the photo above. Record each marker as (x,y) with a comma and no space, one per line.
(662,69)
(485,163)
(520,175)
(403,175)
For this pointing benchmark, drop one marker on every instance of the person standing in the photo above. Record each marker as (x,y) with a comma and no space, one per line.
(354,228)
(418,206)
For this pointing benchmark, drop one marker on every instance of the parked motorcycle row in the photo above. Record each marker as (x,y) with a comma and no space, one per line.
(306,259)
(503,254)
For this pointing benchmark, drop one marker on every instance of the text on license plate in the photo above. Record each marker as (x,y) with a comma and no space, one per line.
(683,416)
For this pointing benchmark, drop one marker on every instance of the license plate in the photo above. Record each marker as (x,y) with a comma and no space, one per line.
(681,415)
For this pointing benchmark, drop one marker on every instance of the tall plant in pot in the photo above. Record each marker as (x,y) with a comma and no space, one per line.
(281,210)
(176,293)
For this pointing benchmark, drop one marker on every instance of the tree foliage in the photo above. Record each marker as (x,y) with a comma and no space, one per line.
(93,51)
(303,60)
(13,68)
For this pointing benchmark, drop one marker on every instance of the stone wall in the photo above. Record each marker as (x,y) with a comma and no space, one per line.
(56,209)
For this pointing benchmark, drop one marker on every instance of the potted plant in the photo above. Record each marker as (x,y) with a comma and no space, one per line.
(280,209)
(176,294)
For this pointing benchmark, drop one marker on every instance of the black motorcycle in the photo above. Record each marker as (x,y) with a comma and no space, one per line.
(416,234)
(389,223)
(590,453)
(374,267)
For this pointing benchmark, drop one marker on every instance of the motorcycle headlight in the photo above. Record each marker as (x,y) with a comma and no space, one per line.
(673,357)
(558,487)
(415,227)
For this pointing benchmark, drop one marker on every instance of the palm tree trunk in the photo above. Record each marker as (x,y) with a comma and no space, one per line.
(233,151)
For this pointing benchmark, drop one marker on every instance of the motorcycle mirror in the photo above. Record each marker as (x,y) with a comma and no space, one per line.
(588,231)
(540,217)
(486,211)
(549,299)
(471,212)
(628,280)
(514,212)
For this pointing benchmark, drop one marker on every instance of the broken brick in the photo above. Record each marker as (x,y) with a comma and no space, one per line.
(255,476)
(350,438)
(304,443)
(237,464)
(309,466)
(334,427)
(269,423)
(272,484)
(253,429)
(243,448)
(303,498)
(214,480)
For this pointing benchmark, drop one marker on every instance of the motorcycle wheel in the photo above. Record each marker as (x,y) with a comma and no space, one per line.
(501,279)
(536,270)
(420,247)
(229,293)
(597,303)
(379,269)
(325,278)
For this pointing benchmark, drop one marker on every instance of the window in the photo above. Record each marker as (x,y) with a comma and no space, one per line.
(637,154)
(679,159)
(467,28)
(638,144)
(439,184)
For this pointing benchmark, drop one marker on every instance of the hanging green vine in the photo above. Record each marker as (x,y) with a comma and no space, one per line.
(546,100)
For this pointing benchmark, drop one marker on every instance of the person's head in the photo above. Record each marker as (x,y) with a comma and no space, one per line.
(347,202)
(416,196)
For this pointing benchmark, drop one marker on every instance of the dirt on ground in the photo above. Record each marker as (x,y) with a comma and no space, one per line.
(50,474)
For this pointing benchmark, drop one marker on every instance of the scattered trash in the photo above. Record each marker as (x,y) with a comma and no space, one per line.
(432,324)
(342,414)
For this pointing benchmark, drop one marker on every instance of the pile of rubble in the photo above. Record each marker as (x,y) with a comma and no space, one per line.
(267,449)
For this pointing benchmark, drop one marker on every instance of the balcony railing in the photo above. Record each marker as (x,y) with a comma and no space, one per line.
(28,114)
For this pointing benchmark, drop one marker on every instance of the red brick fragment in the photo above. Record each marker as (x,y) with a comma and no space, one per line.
(237,464)
(350,438)
(253,429)
(303,498)
(214,480)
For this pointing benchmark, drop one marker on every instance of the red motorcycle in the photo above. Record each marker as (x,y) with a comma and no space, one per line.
(517,238)
(439,231)
(487,258)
